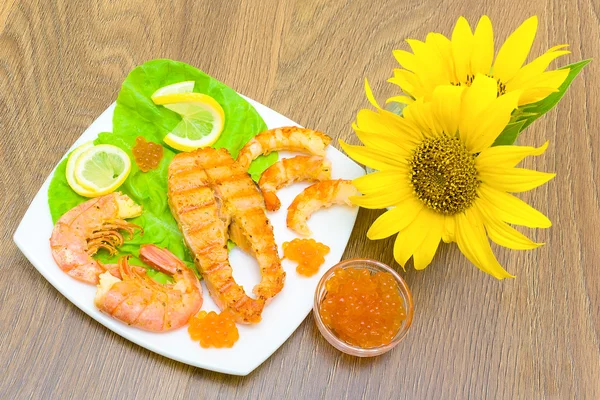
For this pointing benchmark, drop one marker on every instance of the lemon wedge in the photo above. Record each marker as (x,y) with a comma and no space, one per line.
(70,173)
(202,120)
(181,87)
(102,169)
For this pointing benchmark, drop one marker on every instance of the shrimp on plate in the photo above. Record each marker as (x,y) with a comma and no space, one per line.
(88,227)
(138,300)
(291,138)
(320,195)
(291,170)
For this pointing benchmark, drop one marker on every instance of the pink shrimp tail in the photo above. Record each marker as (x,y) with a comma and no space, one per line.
(161,259)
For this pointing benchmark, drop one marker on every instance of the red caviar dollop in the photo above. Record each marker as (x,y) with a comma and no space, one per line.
(214,330)
(362,308)
(308,253)
(147,155)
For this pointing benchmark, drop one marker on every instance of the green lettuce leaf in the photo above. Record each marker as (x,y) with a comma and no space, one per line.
(524,116)
(136,115)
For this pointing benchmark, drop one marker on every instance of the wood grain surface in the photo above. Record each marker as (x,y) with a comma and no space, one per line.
(62,63)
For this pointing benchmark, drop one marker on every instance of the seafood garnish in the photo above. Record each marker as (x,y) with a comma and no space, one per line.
(212,197)
(290,138)
(88,227)
(138,300)
(290,170)
(320,195)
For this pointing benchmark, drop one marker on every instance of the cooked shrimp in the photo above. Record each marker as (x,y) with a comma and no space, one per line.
(88,227)
(138,300)
(319,195)
(211,196)
(290,138)
(290,170)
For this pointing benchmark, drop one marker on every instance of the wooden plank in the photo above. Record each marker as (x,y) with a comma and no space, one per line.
(538,336)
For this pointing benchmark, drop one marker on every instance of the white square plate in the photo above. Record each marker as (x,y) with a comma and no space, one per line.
(281,317)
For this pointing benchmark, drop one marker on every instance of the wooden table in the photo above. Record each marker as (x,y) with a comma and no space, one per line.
(535,337)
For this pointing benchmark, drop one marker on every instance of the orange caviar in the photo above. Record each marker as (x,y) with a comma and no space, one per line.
(362,308)
(147,155)
(308,253)
(214,330)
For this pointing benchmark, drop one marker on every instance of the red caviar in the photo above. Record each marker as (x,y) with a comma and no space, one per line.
(362,308)
(214,330)
(308,253)
(147,155)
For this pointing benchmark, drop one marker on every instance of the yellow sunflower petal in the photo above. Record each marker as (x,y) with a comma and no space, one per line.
(385,123)
(506,156)
(549,79)
(515,50)
(400,126)
(384,180)
(449,232)
(542,85)
(400,99)
(369,120)
(535,94)
(379,200)
(533,69)
(514,180)
(388,124)
(384,142)
(395,219)
(503,234)
(446,107)
(408,82)
(410,238)
(511,209)
(405,59)
(444,48)
(462,46)
(369,93)
(473,243)
(558,47)
(428,66)
(376,159)
(490,123)
(475,100)
(483,47)
(420,114)
(436,58)
(424,253)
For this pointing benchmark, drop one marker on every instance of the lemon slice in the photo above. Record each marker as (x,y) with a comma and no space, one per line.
(70,172)
(102,169)
(202,120)
(181,87)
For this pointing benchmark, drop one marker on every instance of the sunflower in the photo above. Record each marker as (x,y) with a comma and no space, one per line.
(441,179)
(456,61)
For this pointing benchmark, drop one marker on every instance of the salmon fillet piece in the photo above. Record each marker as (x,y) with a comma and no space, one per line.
(213,198)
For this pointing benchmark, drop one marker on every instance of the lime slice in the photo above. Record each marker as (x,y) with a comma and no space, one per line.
(102,169)
(70,172)
(202,120)
(181,87)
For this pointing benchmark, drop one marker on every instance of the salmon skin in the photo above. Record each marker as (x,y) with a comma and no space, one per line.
(213,199)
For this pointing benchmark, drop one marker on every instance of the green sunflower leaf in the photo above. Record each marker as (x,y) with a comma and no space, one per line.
(524,116)
(510,133)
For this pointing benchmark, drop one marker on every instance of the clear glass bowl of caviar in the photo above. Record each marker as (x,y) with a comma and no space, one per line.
(330,334)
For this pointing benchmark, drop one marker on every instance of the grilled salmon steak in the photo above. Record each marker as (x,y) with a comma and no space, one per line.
(213,198)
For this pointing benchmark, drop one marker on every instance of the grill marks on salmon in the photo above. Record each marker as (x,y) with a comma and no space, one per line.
(213,198)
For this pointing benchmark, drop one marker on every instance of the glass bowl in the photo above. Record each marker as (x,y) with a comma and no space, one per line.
(373,266)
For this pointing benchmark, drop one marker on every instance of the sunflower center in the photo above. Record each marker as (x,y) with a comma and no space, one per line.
(443,175)
(500,87)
